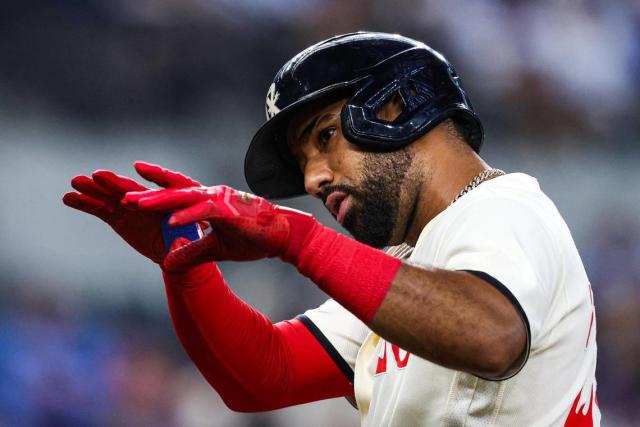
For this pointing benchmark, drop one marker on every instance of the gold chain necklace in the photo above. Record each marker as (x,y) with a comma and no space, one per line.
(477,180)
(403,250)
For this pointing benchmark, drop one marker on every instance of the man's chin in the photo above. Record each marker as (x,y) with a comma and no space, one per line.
(374,238)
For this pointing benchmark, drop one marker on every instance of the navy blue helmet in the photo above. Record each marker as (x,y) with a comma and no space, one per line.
(368,69)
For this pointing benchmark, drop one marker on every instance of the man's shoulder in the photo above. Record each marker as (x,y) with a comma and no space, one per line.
(509,206)
(514,190)
(511,198)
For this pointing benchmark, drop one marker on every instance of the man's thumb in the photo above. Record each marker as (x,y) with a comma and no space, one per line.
(185,253)
(179,243)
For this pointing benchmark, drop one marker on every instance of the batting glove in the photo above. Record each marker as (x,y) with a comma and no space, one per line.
(246,227)
(101,193)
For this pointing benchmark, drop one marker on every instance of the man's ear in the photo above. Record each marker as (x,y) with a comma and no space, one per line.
(391,109)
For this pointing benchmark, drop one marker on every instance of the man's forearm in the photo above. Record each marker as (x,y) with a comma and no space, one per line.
(253,364)
(452,318)
(232,392)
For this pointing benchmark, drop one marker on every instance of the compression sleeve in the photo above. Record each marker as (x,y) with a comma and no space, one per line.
(253,364)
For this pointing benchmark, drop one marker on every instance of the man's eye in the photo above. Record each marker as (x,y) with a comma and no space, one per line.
(325,135)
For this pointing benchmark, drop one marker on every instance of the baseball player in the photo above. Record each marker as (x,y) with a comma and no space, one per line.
(461,298)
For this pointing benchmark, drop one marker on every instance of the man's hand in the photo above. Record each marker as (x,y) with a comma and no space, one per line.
(245,227)
(100,195)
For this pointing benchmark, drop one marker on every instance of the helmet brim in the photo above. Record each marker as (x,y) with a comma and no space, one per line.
(269,167)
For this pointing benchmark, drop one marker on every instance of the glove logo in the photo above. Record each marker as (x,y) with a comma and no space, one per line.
(272,98)
(246,198)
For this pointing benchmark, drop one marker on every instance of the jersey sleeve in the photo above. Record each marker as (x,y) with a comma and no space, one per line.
(339,332)
(509,245)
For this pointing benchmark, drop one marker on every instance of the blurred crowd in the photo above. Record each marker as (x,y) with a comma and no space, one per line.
(576,60)
(70,363)
(556,82)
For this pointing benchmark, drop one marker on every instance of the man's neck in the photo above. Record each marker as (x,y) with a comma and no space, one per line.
(450,172)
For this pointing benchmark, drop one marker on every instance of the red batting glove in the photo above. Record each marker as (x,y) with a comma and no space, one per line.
(247,227)
(100,195)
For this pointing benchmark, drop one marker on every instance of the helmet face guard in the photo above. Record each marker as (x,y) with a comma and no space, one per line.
(370,69)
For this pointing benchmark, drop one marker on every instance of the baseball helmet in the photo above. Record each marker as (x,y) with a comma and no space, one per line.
(368,69)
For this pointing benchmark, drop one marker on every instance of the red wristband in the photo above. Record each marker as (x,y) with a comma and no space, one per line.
(354,274)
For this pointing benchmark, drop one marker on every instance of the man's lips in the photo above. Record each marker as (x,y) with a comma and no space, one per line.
(338,204)
(343,208)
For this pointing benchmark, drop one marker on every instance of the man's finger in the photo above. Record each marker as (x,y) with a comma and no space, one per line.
(164,200)
(87,204)
(164,177)
(117,184)
(132,198)
(88,186)
(198,212)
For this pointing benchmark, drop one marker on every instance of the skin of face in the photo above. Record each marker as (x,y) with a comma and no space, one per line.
(380,187)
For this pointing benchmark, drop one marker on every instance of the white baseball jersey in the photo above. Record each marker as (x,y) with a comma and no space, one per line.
(508,232)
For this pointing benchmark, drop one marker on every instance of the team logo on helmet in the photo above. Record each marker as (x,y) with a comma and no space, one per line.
(272,98)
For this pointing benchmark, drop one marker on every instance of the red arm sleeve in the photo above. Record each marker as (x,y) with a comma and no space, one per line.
(253,364)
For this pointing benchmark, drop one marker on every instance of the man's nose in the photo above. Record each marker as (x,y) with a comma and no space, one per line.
(317,174)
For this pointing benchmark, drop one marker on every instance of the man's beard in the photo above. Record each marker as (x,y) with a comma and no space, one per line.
(373,215)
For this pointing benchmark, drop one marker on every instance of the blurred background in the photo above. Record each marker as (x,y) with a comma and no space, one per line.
(85,338)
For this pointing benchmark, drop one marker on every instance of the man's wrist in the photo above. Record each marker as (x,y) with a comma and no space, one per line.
(302,227)
(356,275)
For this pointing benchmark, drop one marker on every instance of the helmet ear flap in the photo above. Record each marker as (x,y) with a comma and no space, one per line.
(405,74)
(359,115)
(408,92)
(429,91)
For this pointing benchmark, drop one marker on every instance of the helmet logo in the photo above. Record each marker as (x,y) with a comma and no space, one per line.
(272,97)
